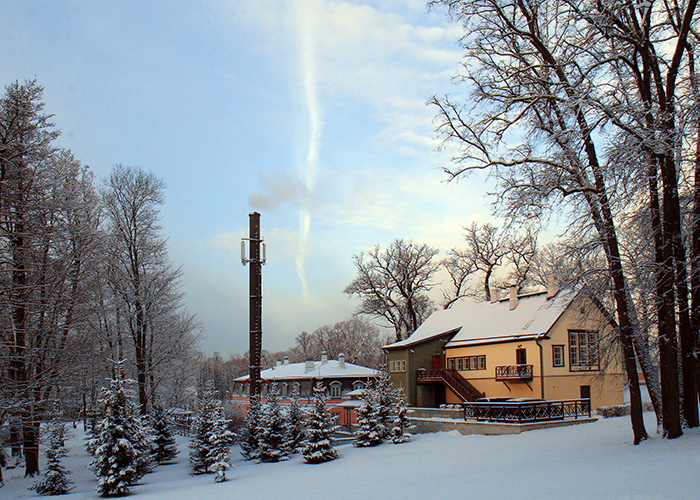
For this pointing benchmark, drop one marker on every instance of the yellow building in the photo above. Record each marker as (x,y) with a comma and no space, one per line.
(552,345)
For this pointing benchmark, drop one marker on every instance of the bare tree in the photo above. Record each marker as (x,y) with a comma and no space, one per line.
(392,284)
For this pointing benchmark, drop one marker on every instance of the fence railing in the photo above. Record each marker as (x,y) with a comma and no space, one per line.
(514,372)
(528,411)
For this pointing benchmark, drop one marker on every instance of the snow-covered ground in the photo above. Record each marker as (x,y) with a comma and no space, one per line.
(588,461)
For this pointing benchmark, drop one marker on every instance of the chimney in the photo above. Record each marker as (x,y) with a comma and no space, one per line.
(494,294)
(278,363)
(341,361)
(552,286)
(286,360)
(513,299)
(324,357)
(309,366)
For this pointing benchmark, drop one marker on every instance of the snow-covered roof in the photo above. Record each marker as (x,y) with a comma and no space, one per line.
(329,369)
(487,322)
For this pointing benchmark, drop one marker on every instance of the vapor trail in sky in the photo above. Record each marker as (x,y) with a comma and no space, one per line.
(310,164)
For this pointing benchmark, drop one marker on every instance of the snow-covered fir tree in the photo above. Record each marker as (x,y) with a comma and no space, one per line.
(202,430)
(296,422)
(384,399)
(164,440)
(249,433)
(117,453)
(274,431)
(92,431)
(370,432)
(401,423)
(319,431)
(220,443)
(143,438)
(55,481)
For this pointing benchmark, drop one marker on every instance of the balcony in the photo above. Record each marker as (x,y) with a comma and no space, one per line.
(514,373)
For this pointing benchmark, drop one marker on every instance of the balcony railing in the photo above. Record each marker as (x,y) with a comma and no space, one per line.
(513,373)
(458,384)
(528,411)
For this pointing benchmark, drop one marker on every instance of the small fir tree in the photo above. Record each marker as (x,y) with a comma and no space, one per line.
(164,440)
(117,455)
(319,432)
(384,398)
(401,424)
(220,443)
(370,431)
(202,430)
(250,430)
(296,423)
(274,432)
(55,481)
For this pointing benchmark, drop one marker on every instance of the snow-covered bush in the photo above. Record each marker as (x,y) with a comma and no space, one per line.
(319,432)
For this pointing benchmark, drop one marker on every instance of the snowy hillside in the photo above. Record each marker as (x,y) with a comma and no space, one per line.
(589,461)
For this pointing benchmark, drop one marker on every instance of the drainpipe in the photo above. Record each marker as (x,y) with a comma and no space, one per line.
(537,341)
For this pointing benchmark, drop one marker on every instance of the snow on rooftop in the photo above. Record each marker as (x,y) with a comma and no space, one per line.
(488,321)
(330,369)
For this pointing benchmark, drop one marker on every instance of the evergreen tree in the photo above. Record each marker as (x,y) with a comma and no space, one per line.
(274,431)
(220,442)
(250,431)
(401,423)
(118,456)
(55,481)
(370,432)
(164,440)
(296,422)
(319,433)
(384,398)
(143,439)
(202,430)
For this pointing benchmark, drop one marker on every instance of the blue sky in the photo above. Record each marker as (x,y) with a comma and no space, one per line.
(311,112)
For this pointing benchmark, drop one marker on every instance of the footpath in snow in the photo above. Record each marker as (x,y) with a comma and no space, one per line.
(587,461)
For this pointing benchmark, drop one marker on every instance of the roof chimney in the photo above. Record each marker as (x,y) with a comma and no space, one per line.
(309,366)
(278,363)
(286,360)
(552,286)
(494,294)
(341,360)
(513,299)
(324,357)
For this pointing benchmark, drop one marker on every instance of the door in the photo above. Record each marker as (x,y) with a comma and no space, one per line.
(520,357)
(436,361)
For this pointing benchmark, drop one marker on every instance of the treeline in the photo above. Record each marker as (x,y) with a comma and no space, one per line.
(85,280)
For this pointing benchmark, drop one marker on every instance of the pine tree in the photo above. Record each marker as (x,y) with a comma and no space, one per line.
(220,442)
(250,431)
(384,398)
(401,424)
(297,423)
(319,433)
(370,432)
(202,430)
(55,481)
(274,432)
(117,454)
(166,447)
(143,439)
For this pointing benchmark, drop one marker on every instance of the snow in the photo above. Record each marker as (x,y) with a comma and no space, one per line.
(587,461)
(330,369)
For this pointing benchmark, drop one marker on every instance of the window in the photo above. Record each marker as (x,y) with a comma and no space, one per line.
(557,355)
(583,350)
(285,389)
(469,363)
(336,389)
(357,385)
(450,363)
(398,365)
(520,357)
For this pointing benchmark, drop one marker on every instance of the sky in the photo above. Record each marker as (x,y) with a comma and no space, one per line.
(311,112)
